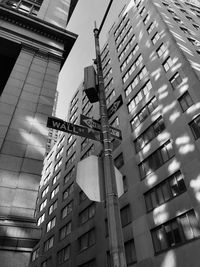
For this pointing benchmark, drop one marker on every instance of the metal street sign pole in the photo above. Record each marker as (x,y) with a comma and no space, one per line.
(112,203)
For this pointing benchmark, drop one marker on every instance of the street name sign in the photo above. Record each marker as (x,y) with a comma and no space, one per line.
(115,106)
(93,124)
(58,124)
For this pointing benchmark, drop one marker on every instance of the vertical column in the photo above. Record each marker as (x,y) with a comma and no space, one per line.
(27,101)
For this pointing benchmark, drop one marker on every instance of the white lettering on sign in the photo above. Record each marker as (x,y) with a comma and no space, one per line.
(56,124)
(63,127)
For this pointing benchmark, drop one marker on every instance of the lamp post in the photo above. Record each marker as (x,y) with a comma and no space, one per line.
(112,203)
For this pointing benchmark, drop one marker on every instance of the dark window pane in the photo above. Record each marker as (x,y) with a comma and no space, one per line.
(130,252)
(195,126)
(166,191)
(160,195)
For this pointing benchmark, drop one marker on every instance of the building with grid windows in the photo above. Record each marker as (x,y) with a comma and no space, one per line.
(34,45)
(152,61)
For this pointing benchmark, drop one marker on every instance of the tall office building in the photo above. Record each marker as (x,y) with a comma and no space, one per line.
(33,46)
(151,65)
(52,133)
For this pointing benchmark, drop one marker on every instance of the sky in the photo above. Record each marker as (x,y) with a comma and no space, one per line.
(83,51)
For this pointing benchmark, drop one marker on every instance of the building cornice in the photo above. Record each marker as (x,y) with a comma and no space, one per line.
(40,27)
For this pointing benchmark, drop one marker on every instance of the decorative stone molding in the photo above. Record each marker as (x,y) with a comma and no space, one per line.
(40,27)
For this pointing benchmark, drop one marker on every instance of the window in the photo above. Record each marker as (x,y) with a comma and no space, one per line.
(156,159)
(194,42)
(110,97)
(56,177)
(185,30)
(177,4)
(59,153)
(130,252)
(63,255)
(195,127)
(125,183)
(151,27)
(58,164)
(70,161)
(176,80)
(146,19)
(142,11)
(108,259)
(196,26)
(71,148)
(107,74)
(119,161)
(51,224)
(155,38)
(175,232)
(105,57)
(53,207)
(61,141)
(85,142)
(115,122)
(161,50)
(125,215)
(87,240)
(139,96)
(69,139)
(120,24)
(28,7)
(115,143)
(65,230)
(142,73)
(87,105)
(132,68)
(82,196)
(45,191)
(55,191)
(35,254)
(48,167)
(73,108)
(123,31)
(179,21)
(168,64)
(41,219)
(164,191)
(150,133)
(69,175)
(67,209)
(109,85)
(88,152)
(43,204)
(48,244)
(144,113)
(185,101)
(105,67)
(126,48)
(68,191)
(106,227)
(165,4)
(75,99)
(183,11)
(87,214)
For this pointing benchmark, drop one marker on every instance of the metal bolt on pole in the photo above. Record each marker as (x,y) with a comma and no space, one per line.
(112,203)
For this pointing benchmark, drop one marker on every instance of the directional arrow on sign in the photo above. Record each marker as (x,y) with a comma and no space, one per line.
(93,124)
(67,127)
